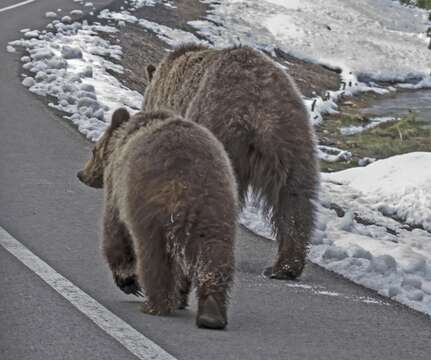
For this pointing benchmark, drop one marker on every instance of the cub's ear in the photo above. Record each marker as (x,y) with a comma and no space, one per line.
(120,116)
(150,71)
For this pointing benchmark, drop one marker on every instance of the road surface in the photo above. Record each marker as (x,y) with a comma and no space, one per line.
(46,209)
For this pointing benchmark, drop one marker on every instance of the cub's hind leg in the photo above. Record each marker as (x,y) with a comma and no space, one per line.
(155,268)
(118,250)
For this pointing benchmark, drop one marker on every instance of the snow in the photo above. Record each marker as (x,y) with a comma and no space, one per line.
(373,122)
(374,222)
(50,14)
(172,37)
(381,237)
(367,33)
(76,12)
(395,188)
(72,66)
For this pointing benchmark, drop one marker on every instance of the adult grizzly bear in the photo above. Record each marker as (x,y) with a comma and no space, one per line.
(169,212)
(253,107)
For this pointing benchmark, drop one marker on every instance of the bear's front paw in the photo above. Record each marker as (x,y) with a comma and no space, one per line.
(129,284)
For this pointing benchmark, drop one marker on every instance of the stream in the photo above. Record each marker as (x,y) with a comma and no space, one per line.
(401,103)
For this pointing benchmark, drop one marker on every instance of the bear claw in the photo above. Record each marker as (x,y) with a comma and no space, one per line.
(129,285)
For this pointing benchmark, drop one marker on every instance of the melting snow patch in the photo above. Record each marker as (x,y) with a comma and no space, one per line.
(72,66)
(361,36)
(375,121)
(51,15)
(172,37)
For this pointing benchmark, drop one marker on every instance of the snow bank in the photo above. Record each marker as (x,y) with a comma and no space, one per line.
(369,227)
(399,187)
(73,66)
(381,40)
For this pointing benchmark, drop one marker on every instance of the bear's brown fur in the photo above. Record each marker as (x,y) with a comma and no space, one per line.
(169,212)
(254,108)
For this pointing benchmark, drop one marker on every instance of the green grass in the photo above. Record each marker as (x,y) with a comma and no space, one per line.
(385,140)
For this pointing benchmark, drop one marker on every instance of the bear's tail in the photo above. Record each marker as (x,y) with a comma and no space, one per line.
(276,169)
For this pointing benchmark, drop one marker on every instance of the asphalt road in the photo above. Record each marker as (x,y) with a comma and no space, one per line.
(45,208)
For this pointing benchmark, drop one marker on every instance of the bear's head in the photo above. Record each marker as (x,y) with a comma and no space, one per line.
(92,174)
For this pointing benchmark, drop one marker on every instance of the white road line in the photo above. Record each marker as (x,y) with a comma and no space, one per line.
(16,5)
(139,345)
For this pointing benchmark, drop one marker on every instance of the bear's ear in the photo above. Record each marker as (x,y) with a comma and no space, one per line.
(150,72)
(120,116)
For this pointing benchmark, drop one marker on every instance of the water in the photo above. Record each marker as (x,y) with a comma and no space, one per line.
(401,104)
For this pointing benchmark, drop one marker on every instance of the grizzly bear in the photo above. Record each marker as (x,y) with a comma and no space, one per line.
(170,209)
(254,108)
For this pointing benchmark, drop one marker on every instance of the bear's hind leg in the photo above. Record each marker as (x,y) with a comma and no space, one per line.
(156,273)
(214,275)
(118,250)
(293,219)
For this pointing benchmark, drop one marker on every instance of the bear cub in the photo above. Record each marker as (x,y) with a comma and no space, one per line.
(170,209)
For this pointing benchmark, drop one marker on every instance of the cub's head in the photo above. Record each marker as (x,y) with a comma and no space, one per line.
(92,174)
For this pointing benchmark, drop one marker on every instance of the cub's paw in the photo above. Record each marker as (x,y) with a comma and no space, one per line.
(129,284)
